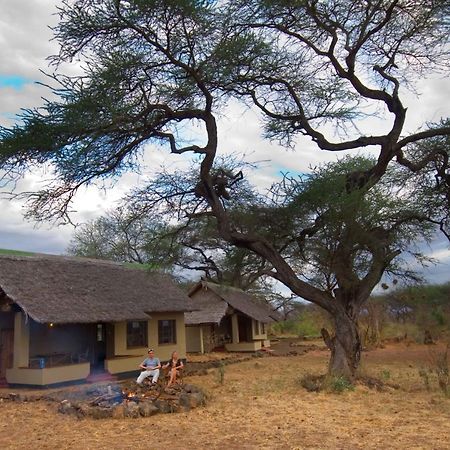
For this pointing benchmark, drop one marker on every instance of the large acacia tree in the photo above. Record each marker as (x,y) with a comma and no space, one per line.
(154,67)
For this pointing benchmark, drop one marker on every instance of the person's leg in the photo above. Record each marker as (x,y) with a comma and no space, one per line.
(142,376)
(155,374)
(172,376)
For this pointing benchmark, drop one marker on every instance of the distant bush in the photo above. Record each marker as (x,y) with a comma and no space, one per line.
(400,331)
(307,324)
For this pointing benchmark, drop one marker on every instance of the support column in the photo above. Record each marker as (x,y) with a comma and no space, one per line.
(202,344)
(21,341)
(234,329)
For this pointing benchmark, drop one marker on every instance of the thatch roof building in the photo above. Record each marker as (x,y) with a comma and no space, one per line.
(212,309)
(61,289)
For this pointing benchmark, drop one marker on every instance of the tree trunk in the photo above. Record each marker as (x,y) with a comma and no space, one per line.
(345,346)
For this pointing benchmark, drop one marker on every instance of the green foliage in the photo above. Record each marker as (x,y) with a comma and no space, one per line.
(338,384)
(307,323)
(4,251)
(415,309)
(303,326)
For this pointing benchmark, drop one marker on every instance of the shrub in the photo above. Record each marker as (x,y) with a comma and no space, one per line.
(440,365)
(312,383)
(338,384)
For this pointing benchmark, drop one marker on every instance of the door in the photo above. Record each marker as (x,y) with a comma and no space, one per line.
(243,325)
(6,351)
(100,346)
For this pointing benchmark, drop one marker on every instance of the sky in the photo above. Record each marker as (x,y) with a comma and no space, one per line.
(25,42)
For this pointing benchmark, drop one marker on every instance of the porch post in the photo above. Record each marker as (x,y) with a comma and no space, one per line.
(235,329)
(202,344)
(21,341)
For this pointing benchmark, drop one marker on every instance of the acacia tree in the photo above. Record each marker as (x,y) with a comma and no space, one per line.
(338,242)
(134,233)
(153,67)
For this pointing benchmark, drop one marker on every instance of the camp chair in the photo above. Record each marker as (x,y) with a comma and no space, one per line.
(179,378)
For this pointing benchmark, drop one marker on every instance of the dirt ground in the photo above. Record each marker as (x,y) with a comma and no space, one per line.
(261,405)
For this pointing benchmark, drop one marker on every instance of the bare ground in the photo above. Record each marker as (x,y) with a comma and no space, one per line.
(262,406)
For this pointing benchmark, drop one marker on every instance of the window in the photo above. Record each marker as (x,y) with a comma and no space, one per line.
(100,333)
(167,333)
(257,327)
(263,328)
(137,334)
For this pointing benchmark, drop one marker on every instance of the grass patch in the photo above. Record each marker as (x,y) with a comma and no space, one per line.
(5,251)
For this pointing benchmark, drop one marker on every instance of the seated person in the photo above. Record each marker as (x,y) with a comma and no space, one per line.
(150,366)
(174,365)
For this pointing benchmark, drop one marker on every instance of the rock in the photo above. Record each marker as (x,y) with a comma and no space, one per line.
(184,402)
(97,412)
(197,399)
(65,407)
(164,406)
(118,412)
(191,388)
(147,409)
(189,401)
(132,410)
(82,410)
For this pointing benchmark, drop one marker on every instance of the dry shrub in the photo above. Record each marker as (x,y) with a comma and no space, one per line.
(440,366)
(311,382)
(328,383)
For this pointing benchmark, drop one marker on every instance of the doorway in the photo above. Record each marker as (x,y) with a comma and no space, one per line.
(6,351)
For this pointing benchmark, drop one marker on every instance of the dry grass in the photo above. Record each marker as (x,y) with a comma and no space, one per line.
(261,405)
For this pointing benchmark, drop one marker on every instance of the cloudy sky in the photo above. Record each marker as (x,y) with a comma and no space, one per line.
(25,40)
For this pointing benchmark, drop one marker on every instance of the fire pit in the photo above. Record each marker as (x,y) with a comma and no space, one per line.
(131,400)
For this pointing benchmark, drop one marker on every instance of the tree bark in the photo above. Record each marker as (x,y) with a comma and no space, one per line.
(345,346)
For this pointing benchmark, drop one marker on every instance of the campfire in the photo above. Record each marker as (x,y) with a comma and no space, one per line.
(131,400)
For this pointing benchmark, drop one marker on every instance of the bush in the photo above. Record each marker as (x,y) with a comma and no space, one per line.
(305,325)
(312,383)
(338,384)
(440,365)
(400,331)
(317,383)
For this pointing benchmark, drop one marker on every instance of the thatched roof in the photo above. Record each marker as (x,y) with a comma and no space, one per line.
(212,310)
(62,289)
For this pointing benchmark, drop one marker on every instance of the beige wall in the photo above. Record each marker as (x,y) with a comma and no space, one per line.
(54,338)
(163,351)
(255,334)
(47,376)
(244,347)
(123,364)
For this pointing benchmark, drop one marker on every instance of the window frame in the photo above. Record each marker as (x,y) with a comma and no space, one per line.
(170,330)
(143,334)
